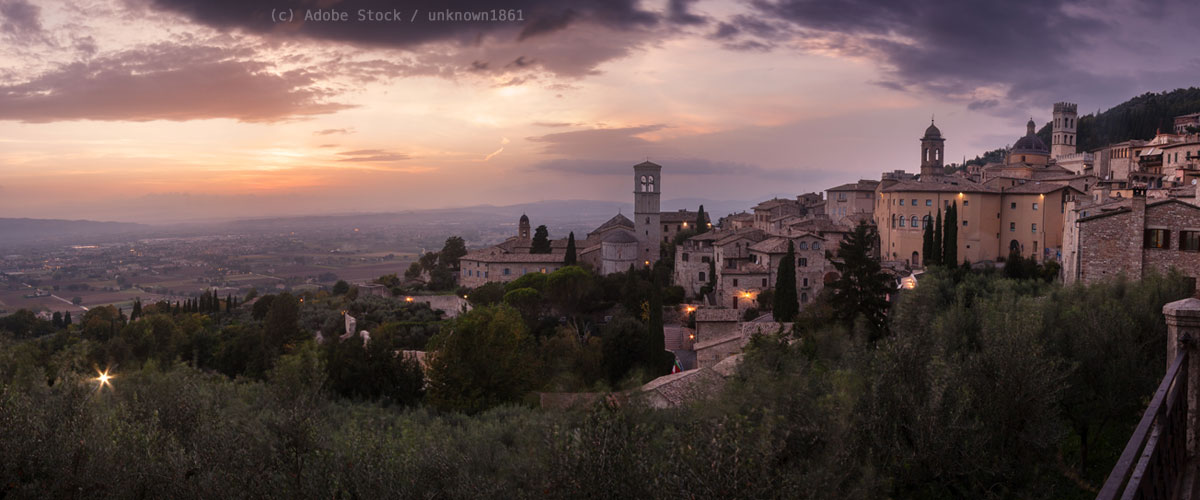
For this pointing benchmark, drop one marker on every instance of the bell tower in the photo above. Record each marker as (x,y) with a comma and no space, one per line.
(523,227)
(647,188)
(1062,142)
(933,152)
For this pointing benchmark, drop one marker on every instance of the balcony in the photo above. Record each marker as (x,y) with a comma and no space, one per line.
(1160,459)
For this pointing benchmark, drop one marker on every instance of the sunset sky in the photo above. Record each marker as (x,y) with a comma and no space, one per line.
(165,110)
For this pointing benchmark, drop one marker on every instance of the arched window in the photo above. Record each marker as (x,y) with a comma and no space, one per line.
(902,221)
(926,154)
(816,246)
(804,245)
(893,220)
(914,221)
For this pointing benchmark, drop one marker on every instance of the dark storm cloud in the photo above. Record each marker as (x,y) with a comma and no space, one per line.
(1037,48)
(166,82)
(679,12)
(22,21)
(540,17)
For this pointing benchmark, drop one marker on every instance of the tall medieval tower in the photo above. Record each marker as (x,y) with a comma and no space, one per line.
(647,187)
(1062,142)
(523,228)
(933,151)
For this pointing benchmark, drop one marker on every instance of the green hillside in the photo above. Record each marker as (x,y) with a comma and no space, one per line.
(1137,118)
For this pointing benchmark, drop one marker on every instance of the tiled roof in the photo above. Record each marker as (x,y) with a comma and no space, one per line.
(861,185)
(746,269)
(1035,187)
(680,216)
(618,220)
(961,186)
(774,202)
(530,258)
(743,233)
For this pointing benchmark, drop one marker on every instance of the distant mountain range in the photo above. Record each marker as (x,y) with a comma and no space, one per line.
(555,213)
(17,232)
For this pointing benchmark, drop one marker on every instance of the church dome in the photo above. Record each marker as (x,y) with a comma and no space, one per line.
(932,132)
(524,219)
(1031,143)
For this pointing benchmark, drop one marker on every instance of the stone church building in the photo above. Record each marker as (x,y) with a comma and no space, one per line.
(611,247)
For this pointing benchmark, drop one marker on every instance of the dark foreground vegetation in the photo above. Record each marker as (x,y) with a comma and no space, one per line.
(983,387)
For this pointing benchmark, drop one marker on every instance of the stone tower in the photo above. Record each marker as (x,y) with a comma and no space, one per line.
(647,188)
(523,228)
(932,153)
(1062,141)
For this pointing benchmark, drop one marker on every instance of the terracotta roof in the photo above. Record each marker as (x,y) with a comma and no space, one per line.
(743,233)
(1125,208)
(680,216)
(1035,187)
(861,185)
(618,220)
(774,202)
(961,186)
(746,269)
(530,258)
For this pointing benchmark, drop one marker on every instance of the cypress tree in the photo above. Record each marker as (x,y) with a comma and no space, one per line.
(56,320)
(228,302)
(657,357)
(927,243)
(936,257)
(571,257)
(950,236)
(137,310)
(786,301)
(701,221)
(541,240)
(66,318)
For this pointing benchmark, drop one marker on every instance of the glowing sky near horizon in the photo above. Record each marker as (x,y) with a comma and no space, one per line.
(164,110)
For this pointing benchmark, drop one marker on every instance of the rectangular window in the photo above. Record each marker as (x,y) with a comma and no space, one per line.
(704,259)
(1035,205)
(1158,238)
(1012,226)
(964,223)
(965,202)
(929,203)
(764,283)
(1014,205)
(702,276)
(914,202)
(1034,227)
(806,282)
(685,256)
(735,282)
(1189,241)
(902,203)
(507,271)
(802,262)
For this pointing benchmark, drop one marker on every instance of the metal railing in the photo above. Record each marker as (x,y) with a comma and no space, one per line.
(1156,455)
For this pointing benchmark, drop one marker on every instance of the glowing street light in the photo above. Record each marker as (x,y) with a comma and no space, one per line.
(103,379)
(408,299)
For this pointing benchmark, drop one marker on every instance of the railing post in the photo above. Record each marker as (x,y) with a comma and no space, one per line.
(1183,332)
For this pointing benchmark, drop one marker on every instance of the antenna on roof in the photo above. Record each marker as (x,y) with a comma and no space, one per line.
(931,118)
